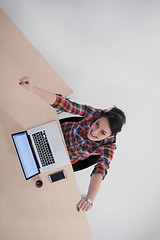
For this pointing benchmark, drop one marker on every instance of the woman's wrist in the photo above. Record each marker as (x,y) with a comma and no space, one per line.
(89,196)
(32,88)
(89,201)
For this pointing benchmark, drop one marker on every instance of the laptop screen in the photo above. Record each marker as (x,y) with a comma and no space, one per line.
(25,154)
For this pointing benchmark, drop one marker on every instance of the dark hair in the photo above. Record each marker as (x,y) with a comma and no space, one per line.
(116,118)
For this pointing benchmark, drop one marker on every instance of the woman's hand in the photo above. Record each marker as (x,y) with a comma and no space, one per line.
(26,82)
(83,205)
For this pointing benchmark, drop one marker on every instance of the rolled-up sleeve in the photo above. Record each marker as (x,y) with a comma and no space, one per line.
(104,161)
(64,104)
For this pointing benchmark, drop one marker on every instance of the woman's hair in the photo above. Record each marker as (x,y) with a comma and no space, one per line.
(116,118)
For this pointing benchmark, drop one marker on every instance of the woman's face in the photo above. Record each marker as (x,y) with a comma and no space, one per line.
(99,130)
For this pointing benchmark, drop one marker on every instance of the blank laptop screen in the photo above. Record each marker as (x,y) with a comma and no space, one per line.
(25,154)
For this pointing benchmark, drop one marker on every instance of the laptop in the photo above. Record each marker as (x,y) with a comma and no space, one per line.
(40,149)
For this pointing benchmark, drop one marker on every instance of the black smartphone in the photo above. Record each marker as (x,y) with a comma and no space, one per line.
(57,176)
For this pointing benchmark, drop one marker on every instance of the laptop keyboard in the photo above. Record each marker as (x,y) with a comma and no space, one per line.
(43,148)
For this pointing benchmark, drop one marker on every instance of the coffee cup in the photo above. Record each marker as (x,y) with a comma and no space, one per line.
(38,183)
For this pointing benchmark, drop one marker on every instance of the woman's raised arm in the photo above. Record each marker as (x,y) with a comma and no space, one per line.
(47,96)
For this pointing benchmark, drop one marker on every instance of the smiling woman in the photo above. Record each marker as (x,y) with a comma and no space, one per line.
(100,130)
(95,134)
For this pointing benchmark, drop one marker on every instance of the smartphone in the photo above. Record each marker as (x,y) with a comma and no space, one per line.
(57,176)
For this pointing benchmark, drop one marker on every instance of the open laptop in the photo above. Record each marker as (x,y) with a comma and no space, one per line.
(40,149)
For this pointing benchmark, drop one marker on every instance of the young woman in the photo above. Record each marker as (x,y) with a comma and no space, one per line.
(95,134)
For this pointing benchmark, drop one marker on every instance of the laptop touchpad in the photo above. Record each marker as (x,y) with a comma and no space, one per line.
(56,144)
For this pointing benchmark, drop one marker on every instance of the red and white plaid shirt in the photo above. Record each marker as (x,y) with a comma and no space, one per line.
(75,134)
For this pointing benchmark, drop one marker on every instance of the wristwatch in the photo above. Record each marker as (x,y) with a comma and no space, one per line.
(89,201)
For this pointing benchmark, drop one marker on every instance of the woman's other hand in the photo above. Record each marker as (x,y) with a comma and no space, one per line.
(84,205)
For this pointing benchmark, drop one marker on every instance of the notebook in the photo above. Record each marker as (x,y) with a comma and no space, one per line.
(40,149)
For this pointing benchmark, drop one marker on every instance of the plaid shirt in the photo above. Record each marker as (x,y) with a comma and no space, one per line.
(75,134)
